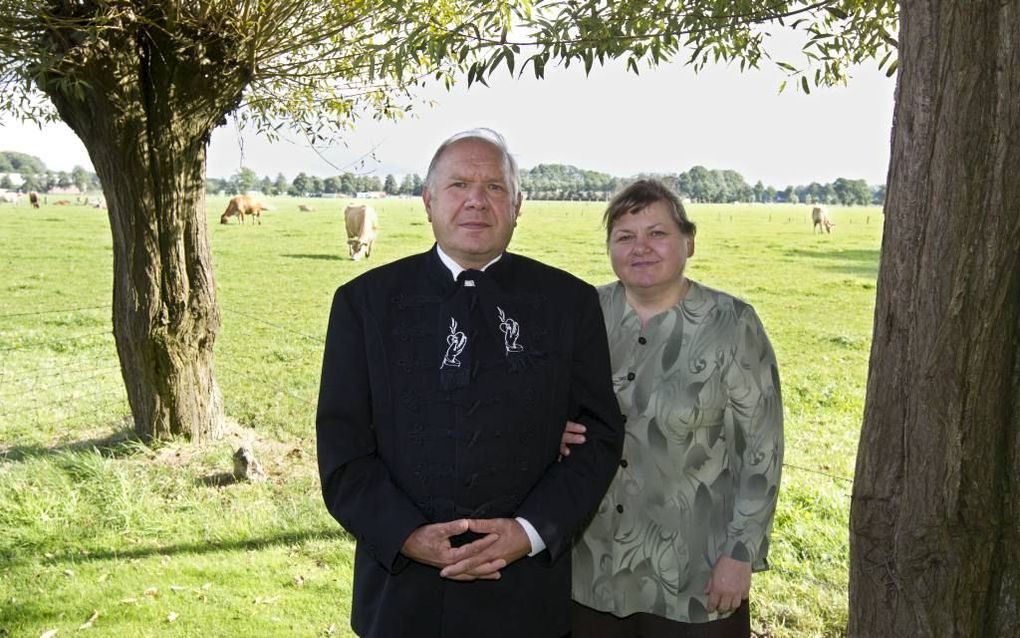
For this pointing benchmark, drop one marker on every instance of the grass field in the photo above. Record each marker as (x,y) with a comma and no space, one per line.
(125,540)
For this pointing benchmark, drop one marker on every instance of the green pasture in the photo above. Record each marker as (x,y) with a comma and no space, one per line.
(101,535)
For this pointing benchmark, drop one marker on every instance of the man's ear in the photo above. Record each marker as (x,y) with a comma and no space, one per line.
(690,247)
(426,197)
(517,207)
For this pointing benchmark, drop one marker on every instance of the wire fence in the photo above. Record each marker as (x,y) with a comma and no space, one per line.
(43,371)
(52,311)
(64,401)
(57,393)
(263,377)
(322,341)
(81,372)
(271,324)
(798,576)
(88,375)
(47,342)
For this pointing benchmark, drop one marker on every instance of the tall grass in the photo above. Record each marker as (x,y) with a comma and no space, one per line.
(162,542)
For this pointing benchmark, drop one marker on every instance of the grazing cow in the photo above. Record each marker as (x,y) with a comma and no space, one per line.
(62,202)
(305,209)
(33,198)
(820,219)
(362,223)
(242,205)
(9,198)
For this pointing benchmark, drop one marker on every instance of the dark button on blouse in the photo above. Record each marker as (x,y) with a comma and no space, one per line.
(623,462)
(642,340)
(619,508)
(630,376)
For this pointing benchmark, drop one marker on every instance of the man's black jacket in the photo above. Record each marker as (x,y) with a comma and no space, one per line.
(442,400)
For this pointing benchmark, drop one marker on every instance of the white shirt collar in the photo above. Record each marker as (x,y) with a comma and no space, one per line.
(456,268)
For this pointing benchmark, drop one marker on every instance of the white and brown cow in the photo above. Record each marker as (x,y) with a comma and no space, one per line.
(362,223)
(820,219)
(242,205)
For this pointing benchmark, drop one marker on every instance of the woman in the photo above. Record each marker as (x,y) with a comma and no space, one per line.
(671,549)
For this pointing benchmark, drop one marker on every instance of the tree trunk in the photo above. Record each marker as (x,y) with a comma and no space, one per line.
(145,115)
(935,520)
(165,316)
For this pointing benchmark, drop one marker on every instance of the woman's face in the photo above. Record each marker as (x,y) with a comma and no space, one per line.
(647,249)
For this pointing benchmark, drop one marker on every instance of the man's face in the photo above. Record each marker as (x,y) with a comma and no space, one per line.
(469,203)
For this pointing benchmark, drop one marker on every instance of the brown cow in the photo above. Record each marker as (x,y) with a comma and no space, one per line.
(304,208)
(33,198)
(362,223)
(242,205)
(820,218)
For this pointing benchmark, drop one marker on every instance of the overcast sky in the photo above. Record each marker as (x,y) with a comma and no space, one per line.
(665,120)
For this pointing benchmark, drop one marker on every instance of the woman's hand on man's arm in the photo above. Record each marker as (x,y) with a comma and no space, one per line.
(573,434)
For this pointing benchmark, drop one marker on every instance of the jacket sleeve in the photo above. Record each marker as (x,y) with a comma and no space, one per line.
(756,407)
(564,498)
(358,489)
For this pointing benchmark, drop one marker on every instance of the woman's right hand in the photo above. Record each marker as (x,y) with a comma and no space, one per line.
(573,434)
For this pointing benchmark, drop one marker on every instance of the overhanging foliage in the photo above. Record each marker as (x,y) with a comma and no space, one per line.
(315,65)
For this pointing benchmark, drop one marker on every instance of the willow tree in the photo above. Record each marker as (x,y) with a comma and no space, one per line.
(143,83)
(936,510)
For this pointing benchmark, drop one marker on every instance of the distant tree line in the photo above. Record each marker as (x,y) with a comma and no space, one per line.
(543,182)
(564,182)
(848,192)
(303,185)
(701,184)
(36,177)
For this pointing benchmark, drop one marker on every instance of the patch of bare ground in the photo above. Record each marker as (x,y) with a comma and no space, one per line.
(213,460)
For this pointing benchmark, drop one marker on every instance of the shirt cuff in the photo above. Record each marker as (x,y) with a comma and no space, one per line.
(537,544)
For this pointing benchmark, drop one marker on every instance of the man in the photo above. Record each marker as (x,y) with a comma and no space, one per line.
(446,381)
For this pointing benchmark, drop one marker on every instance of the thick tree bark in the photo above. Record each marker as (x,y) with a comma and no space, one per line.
(935,520)
(145,116)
